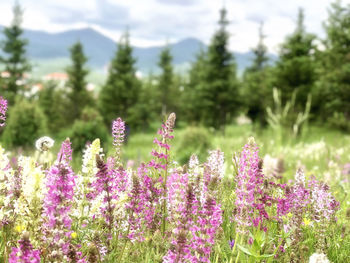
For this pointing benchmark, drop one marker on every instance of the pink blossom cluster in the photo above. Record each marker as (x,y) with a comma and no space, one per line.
(323,203)
(183,206)
(60,184)
(295,200)
(195,214)
(307,196)
(24,253)
(249,190)
(105,185)
(65,153)
(144,198)
(161,156)
(3,109)
(109,184)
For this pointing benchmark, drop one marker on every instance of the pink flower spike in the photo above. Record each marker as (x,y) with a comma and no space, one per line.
(3,109)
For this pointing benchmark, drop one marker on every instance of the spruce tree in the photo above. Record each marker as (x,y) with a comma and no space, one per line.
(166,80)
(334,85)
(295,71)
(78,95)
(148,104)
(121,91)
(193,96)
(260,53)
(257,86)
(14,59)
(55,106)
(220,92)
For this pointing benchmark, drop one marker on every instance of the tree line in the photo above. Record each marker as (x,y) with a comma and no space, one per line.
(211,93)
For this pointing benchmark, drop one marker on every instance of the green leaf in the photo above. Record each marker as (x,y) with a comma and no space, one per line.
(250,253)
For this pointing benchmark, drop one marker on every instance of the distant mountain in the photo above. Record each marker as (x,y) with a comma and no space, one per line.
(100,49)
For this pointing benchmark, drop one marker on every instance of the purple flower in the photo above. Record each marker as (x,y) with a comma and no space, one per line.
(144,198)
(25,253)
(161,156)
(231,243)
(65,153)
(3,109)
(194,212)
(249,190)
(60,184)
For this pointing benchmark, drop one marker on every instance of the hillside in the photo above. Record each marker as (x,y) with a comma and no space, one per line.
(51,50)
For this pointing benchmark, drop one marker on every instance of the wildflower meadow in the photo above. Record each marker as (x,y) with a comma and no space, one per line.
(243,208)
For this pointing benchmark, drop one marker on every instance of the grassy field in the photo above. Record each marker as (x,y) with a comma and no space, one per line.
(311,222)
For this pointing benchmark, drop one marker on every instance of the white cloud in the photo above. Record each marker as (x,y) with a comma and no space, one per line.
(153,22)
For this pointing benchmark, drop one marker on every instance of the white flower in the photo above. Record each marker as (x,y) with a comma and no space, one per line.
(44,143)
(318,258)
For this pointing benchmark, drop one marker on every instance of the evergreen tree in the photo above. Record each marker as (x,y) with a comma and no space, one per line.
(55,105)
(260,54)
(166,80)
(220,92)
(121,91)
(148,106)
(257,86)
(295,71)
(193,96)
(14,49)
(334,85)
(78,95)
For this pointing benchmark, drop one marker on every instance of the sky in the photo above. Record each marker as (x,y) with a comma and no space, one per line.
(155,22)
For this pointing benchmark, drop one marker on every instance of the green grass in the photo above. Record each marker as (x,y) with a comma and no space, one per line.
(320,151)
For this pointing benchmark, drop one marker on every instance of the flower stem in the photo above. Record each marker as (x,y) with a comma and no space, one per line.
(165,196)
(234,247)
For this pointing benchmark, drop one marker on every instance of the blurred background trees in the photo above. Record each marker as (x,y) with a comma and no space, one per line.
(122,88)
(78,96)
(211,93)
(14,58)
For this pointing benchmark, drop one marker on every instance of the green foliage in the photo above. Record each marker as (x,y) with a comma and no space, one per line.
(54,103)
(286,117)
(121,91)
(333,87)
(78,96)
(194,140)
(295,69)
(166,82)
(26,124)
(86,129)
(257,83)
(220,92)
(14,59)
(260,54)
(340,121)
(194,90)
(148,106)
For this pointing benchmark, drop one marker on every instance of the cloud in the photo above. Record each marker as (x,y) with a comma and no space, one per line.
(178,2)
(152,22)
(107,15)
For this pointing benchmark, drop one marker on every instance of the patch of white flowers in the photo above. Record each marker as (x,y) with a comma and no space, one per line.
(318,258)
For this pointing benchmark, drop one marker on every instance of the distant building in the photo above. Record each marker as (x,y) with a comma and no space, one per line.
(5,74)
(60,77)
